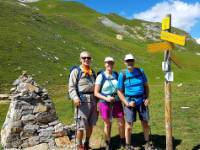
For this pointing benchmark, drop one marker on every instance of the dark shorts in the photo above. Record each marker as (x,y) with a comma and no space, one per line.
(131,113)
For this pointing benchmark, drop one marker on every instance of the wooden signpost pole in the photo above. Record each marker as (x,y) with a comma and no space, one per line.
(168,106)
(167,46)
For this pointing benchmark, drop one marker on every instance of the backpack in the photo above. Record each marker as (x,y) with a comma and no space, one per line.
(140,73)
(78,77)
(104,78)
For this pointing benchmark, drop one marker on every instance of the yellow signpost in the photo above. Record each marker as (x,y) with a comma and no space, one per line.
(159,47)
(167,46)
(174,38)
(166,23)
(175,60)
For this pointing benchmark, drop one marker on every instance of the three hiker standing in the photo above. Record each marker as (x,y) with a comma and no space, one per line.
(133,90)
(130,88)
(109,104)
(81,91)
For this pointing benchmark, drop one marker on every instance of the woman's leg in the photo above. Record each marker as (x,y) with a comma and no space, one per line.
(121,127)
(107,130)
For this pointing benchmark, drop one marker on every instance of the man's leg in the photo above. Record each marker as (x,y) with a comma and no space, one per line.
(130,117)
(91,122)
(79,137)
(144,117)
(145,126)
(128,132)
(88,133)
(121,128)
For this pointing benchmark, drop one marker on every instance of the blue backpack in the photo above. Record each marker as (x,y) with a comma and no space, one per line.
(80,72)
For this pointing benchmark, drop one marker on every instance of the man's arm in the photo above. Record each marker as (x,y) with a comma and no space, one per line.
(72,87)
(146,89)
(122,97)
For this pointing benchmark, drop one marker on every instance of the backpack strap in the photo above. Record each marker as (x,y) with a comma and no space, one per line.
(140,72)
(78,77)
(93,74)
(103,80)
(116,74)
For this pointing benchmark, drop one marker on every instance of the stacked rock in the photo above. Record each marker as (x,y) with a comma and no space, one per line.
(31,119)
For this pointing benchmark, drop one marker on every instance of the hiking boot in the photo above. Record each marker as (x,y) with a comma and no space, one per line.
(86,146)
(80,147)
(122,143)
(147,146)
(128,147)
(108,146)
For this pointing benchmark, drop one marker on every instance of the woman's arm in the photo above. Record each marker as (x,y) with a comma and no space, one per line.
(99,95)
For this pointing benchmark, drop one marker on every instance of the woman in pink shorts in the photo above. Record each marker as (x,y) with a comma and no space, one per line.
(109,104)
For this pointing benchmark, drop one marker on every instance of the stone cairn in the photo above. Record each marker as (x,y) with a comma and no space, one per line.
(31,121)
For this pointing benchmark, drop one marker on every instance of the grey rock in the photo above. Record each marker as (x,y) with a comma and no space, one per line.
(45,117)
(31,128)
(43,146)
(51,143)
(25,135)
(27,107)
(25,144)
(17,115)
(4,96)
(45,133)
(35,140)
(54,123)
(28,117)
(44,139)
(16,123)
(40,108)
(59,127)
(16,82)
(43,126)
(26,112)
(31,118)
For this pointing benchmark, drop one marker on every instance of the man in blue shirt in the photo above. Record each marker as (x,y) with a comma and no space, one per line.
(133,90)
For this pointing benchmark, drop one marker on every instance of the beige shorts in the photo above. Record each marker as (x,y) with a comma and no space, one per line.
(87,113)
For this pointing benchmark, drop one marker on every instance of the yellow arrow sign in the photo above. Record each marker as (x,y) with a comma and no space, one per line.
(159,47)
(175,60)
(174,38)
(166,23)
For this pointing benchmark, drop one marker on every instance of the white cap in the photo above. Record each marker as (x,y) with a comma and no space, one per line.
(109,59)
(128,57)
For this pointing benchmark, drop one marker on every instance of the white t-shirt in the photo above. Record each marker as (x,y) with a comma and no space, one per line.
(110,85)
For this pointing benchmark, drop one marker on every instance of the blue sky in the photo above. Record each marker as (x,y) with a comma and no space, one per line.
(185,13)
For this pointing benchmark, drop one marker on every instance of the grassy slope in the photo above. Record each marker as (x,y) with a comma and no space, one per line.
(63,29)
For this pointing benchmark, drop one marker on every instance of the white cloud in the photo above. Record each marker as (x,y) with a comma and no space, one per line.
(198,40)
(184,15)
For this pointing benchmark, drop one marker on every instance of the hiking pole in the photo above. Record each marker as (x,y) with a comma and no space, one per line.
(76,120)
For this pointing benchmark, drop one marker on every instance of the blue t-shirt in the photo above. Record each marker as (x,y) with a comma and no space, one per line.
(133,84)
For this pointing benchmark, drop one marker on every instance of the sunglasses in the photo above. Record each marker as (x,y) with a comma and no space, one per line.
(89,58)
(129,60)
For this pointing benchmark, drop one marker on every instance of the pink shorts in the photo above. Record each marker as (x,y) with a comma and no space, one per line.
(105,110)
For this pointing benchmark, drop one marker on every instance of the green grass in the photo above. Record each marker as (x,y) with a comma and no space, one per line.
(185,121)
(31,37)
